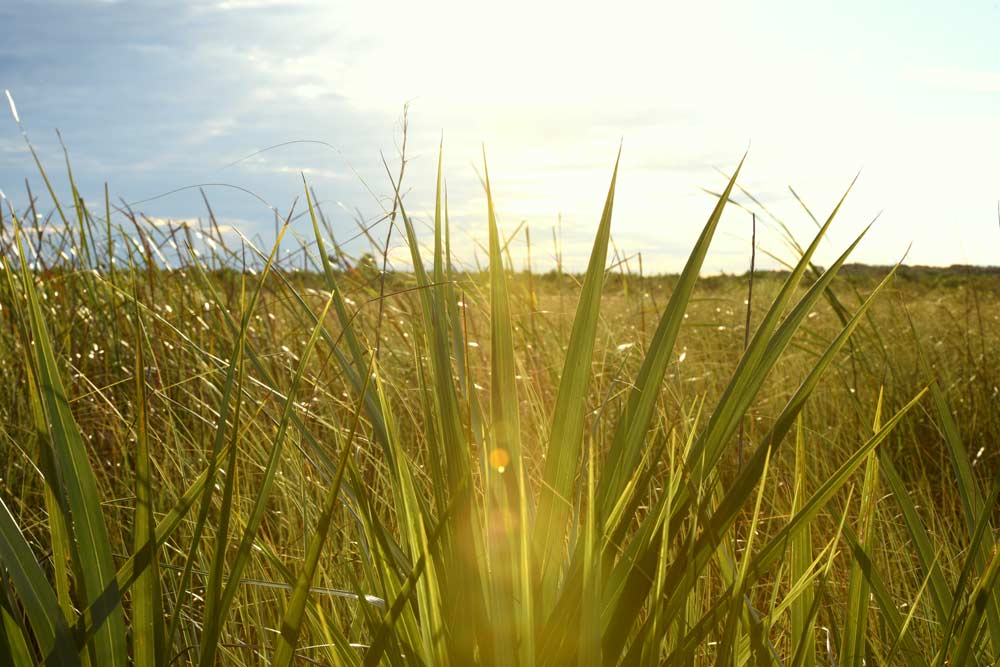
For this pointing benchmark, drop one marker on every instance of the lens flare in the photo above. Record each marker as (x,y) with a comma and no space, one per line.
(499,459)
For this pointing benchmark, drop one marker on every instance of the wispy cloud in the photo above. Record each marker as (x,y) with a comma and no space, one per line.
(174,90)
(243,5)
(188,223)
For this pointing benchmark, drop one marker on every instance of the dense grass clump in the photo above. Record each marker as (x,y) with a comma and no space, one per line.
(212,456)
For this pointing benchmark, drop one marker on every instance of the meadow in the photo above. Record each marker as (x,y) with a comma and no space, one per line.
(215,456)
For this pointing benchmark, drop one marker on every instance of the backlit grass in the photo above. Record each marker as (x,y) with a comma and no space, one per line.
(241,460)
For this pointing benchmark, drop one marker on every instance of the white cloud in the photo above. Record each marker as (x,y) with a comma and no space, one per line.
(189,223)
(550,87)
(243,5)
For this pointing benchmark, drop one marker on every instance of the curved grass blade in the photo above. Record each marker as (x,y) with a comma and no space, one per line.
(14,649)
(981,598)
(903,635)
(40,604)
(220,550)
(972,504)
(54,507)
(94,565)
(684,572)
(923,546)
(887,610)
(979,535)
(347,331)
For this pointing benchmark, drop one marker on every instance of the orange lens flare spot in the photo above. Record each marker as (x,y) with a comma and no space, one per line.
(499,459)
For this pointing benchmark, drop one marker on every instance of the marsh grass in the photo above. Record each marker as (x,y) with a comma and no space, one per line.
(243,460)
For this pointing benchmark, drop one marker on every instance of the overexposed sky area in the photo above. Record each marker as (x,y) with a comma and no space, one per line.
(152,96)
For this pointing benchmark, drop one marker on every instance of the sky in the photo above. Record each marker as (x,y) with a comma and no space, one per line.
(154,96)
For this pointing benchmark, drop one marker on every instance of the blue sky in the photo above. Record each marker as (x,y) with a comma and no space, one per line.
(152,96)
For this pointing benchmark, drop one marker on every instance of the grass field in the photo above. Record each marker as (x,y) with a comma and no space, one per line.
(313,462)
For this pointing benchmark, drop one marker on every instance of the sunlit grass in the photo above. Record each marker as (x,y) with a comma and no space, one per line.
(212,464)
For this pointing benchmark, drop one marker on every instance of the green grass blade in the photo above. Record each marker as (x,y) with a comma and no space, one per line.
(505,420)
(137,563)
(513,621)
(13,645)
(340,307)
(802,628)
(590,616)
(147,612)
(776,546)
(979,535)
(684,572)
(458,346)
(291,624)
(634,425)
(895,626)
(903,636)
(374,654)
(566,434)
(922,541)
(348,332)
(40,604)
(852,650)
(807,643)
(728,647)
(213,588)
(982,597)
(435,326)
(94,566)
(55,510)
(972,504)
(466,607)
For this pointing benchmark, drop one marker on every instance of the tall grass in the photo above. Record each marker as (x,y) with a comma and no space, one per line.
(235,461)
